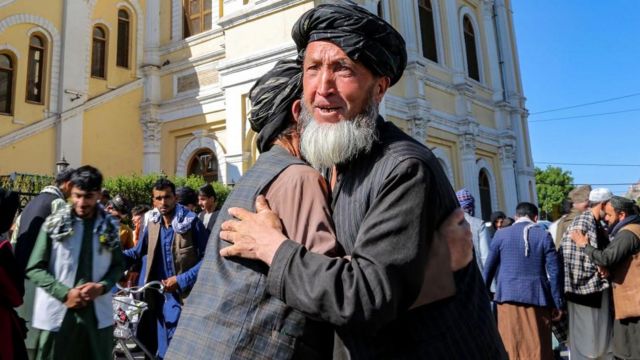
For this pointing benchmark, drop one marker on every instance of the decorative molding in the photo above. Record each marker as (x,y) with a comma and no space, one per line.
(11,49)
(202,140)
(254,11)
(55,42)
(467,145)
(466,11)
(28,131)
(442,156)
(37,127)
(6,2)
(483,164)
(419,115)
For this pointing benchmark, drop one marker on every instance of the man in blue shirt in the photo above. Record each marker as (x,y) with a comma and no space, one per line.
(174,242)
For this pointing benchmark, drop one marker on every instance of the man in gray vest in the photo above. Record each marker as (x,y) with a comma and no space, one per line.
(229,313)
(174,242)
(390,195)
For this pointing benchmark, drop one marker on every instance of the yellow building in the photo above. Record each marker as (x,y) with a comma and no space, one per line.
(139,86)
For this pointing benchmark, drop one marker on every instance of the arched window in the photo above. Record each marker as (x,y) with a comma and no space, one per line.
(485,194)
(35,68)
(428,30)
(197,16)
(473,70)
(7,72)
(205,164)
(124,25)
(99,53)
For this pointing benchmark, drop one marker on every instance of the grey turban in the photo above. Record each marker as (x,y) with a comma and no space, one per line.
(271,98)
(363,36)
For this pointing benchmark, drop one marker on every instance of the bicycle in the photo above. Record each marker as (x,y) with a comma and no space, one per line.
(127,312)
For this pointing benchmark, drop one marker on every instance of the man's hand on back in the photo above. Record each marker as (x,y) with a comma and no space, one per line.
(253,235)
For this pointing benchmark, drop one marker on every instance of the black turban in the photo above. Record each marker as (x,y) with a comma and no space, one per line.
(271,98)
(363,36)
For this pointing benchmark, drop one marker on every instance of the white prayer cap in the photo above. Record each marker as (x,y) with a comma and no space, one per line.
(600,194)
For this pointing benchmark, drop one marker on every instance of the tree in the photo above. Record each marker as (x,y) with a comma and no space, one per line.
(553,185)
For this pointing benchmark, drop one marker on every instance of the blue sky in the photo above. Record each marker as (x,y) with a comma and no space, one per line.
(574,52)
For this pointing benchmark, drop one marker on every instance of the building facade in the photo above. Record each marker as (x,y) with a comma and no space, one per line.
(143,86)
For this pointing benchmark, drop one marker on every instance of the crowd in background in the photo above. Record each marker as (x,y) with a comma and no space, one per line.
(64,252)
(576,277)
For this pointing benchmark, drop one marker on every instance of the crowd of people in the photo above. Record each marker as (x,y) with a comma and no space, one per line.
(345,240)
(577,278)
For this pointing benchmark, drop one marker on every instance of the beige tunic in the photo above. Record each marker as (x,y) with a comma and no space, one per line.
(300,196)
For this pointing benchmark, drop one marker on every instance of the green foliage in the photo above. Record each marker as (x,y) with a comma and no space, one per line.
(137,188)
(553,185)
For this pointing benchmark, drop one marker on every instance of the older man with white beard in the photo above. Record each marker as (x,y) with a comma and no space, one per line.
(391,296)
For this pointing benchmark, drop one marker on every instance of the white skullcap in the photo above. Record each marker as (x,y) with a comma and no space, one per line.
(600,194)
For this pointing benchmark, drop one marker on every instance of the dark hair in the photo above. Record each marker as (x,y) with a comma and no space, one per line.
(526,209)
(105,193)
(208,191)
(64,176)
(164,183)
(187,196)
(87,178)
(622,204)
(139,210)
(120,204)
(567,205)
(9,204)
(497,215)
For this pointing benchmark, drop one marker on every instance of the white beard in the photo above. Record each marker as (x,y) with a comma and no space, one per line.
(326,145)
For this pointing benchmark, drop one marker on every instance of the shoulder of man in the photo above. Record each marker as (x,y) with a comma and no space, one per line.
(582,221)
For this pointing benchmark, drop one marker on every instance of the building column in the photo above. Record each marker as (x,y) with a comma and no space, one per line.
(73,89)
(509,189)
(235,133)
(151,130)
(455,44)
(467,145)
(492,50)
(149,118)
(407,27)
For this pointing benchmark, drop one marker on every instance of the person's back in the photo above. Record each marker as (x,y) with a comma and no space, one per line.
(31,219)
(522,274)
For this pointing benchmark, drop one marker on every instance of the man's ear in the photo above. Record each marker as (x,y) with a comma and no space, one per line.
(296,108)
(381,87)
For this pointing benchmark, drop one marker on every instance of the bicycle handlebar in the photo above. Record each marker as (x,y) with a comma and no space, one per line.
(136,290)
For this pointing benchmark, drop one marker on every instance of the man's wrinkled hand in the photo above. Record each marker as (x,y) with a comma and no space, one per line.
(75,299)
(91,290)
(457,232)
(253,235)
(170,284)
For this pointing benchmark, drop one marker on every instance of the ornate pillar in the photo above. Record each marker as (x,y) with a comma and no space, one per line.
(492,49)
(506,151)
(151,131)
(420,110)
(407,26)
(467,145)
